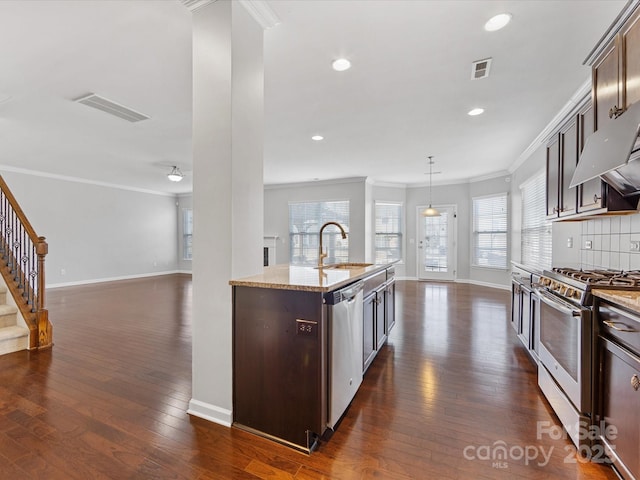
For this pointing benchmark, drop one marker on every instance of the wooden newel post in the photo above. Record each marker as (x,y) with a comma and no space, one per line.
(45,329)
(42,248)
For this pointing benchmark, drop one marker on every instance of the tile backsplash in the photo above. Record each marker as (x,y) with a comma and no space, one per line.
(610,239)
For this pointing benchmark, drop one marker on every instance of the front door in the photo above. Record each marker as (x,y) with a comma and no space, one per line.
(436,245)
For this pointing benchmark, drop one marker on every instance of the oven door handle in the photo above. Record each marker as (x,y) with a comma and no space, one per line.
(612,324)
(558,304)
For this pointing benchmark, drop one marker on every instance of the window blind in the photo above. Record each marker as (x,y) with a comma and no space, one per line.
(388,244)
(187,233)
(536,230)
(305,221)
(490,231)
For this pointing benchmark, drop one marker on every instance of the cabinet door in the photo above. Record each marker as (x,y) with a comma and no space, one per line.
(535,325)
(620,406)
(369,338)
(589,193)
(381,331)
(630,39)
(606,85)
(516,307)
(525,329)
(553,177)
(390,305)
(568,162)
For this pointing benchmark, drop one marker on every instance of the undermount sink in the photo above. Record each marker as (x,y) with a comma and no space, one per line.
(348,265)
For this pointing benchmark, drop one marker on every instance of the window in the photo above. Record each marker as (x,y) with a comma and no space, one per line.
(305,221)
(490,231)
(388,242)
(536,230)
(187,233)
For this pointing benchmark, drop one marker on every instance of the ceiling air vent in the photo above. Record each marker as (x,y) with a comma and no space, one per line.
(108,106)
(480,69)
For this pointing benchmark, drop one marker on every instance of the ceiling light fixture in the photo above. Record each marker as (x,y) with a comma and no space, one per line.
(175,175)
(497,22)
(341,64)
(475,112)
(317,138)
(430,211)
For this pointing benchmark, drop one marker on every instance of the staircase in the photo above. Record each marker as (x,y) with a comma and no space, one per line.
(13,338)
(22,255)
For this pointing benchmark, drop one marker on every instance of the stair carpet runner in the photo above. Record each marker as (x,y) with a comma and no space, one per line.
(13,337)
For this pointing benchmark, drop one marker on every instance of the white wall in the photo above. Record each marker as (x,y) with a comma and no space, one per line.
(95,232)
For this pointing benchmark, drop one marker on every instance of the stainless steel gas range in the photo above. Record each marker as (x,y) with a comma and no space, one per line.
(568,341)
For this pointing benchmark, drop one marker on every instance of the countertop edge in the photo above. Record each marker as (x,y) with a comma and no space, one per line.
(629,299)
(357,274)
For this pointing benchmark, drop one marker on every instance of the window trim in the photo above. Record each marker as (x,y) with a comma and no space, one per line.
(402,225)
(540,175)
(185,235)
(473,260)
(335,232)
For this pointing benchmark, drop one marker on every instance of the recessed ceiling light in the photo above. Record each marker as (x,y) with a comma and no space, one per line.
(317,138)
(476,111)
(341,64)
(497,22)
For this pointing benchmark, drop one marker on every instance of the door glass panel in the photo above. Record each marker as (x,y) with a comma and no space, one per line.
(436,252)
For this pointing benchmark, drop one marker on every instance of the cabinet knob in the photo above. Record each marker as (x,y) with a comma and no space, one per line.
(596,198)
(615,112)
(635,382)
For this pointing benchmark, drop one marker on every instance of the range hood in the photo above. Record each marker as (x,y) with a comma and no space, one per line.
(612,153)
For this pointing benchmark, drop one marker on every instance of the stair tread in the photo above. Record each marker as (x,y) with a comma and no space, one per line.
(8,309)
(13,332)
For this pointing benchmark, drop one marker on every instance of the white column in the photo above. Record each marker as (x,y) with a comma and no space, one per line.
(227,189)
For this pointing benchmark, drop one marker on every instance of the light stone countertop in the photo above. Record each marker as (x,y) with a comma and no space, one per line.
(310,279)
(624,298)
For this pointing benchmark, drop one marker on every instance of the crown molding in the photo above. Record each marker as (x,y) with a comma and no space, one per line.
(194,5)
(66,178)
(261,13)
(577,100)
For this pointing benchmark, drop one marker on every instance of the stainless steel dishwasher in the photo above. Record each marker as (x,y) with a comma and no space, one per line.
(345,348)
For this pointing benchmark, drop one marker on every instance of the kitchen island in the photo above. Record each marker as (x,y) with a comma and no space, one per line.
(282,345)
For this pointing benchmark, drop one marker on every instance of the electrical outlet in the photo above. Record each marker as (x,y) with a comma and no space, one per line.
(63,271)
(570,242)
(306,327)
(588,244)
(635,246)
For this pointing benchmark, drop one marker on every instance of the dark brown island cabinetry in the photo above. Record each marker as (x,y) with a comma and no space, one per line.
(280,363)
(618,387)
(286,345)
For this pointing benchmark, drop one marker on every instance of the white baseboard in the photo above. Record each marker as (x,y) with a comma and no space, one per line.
(484,284)
(112,279)
(209,412)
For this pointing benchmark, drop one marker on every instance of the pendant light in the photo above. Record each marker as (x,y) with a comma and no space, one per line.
(430,211)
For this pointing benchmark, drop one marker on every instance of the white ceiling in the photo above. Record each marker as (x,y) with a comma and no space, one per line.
(405,97)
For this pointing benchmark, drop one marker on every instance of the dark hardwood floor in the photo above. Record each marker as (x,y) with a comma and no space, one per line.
(109,400)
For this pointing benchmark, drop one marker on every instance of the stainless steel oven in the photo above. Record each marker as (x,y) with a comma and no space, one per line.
(566,352)
(566,355)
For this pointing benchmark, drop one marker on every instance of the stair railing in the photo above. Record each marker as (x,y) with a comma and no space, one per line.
(23,255)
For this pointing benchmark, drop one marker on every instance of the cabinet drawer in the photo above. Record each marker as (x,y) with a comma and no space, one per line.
(620,407)
(619,325)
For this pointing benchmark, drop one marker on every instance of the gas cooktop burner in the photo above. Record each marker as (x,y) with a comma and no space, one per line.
(602,277)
